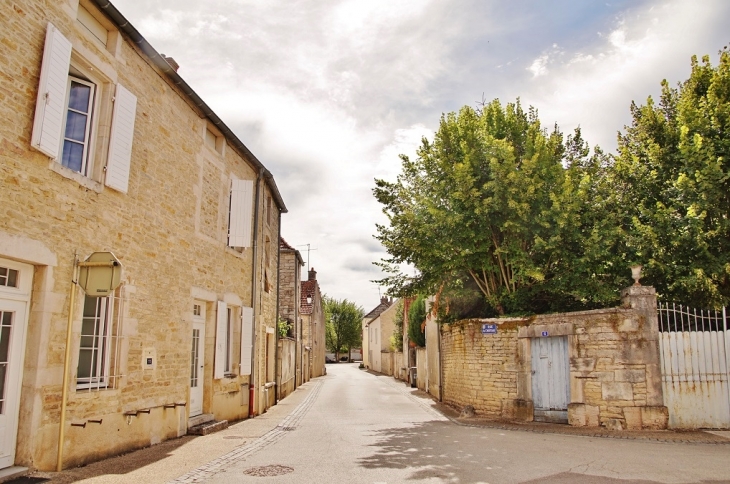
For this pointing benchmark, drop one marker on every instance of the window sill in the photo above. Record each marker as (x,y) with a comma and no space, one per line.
(78,177)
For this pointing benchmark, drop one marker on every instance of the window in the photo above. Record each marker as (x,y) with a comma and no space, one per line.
(77,127)
(8,277)
(225,326)
(229,342)
(68,108)
(96,343)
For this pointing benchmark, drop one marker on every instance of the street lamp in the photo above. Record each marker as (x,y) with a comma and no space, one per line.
(309,299)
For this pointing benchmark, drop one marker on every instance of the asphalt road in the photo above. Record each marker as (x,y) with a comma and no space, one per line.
(357,427)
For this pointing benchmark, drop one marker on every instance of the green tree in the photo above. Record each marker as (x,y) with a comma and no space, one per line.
(396,339)
(672,179)
(416,318)
(343,325)
(499,203)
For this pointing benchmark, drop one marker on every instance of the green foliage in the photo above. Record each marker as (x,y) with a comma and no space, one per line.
(672,179)
(283,327)
(343,325)
(416,318)
(501,202)
(396,339)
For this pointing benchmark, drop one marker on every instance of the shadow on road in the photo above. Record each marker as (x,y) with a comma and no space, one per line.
(428,448)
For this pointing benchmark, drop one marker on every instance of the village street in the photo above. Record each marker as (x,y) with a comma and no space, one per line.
(359,427)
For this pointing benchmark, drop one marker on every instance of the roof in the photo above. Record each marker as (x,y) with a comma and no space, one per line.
(120,21)
(385,303)
(285,247)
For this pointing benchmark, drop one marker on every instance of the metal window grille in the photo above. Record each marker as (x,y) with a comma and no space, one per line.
(100,343)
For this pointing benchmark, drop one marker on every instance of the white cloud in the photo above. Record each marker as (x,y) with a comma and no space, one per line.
(328,93)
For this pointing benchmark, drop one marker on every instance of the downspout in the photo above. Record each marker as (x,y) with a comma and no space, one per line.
(276,347)
(254,285)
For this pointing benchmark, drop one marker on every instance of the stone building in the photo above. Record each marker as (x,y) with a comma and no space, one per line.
(313,327)
(291,347)
(375,336)
(378,331)
(105,148)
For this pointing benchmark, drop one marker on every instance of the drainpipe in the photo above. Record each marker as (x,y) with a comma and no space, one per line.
(254,286)
(276,338)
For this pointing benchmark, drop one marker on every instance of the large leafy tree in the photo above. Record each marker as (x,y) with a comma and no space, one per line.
(499,203)
(672,185)
(343,321)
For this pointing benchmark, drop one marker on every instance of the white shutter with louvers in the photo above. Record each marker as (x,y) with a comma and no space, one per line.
(246,340)
(221,330)
(50,108)
(120,141)
(241,213)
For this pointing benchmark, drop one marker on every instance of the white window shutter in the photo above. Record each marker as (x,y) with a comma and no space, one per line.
(246,340)
(220,340)
(120,140)
(241,214)
(50,108)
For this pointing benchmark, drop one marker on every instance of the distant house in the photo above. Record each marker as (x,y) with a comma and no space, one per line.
(376,333)
(313,327)
(104,148)
(291,347)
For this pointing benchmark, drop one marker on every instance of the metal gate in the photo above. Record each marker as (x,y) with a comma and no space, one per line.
(550,379)
(694,348)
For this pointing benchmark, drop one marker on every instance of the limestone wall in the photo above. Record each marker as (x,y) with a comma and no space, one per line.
(613,356)
(169,231)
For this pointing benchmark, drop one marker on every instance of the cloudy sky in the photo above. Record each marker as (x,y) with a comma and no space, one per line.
(327,93)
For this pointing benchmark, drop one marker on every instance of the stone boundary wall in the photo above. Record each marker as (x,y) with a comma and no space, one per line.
(615,378)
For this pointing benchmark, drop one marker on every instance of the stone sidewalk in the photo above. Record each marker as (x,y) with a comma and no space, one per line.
(191,459)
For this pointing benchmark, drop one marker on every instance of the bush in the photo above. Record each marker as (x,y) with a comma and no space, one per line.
(416,317)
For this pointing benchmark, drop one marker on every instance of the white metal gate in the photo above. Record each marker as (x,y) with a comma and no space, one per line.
(695,357)
(550,379)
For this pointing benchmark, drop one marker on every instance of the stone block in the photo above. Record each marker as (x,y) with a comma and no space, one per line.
(577,415)
(613,424)
(592,416)
(582,364)
(524,410)
(631,376)
(654,418)
(617,391)
(632,415)
(629,325)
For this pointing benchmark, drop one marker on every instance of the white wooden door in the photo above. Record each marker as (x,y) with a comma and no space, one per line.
(550,379)
(15,285)
(197,360)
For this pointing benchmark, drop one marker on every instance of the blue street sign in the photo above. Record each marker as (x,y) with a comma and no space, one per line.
(544,333)
(489,329)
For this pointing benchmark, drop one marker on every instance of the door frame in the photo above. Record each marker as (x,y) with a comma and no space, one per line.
(198,325)
(19,299)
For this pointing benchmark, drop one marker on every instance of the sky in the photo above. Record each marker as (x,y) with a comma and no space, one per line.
(328,93)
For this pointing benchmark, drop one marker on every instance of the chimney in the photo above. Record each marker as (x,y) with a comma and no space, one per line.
(175,66)
(384,300)
(312,274)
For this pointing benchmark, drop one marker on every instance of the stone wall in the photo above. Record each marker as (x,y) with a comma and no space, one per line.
(615,378)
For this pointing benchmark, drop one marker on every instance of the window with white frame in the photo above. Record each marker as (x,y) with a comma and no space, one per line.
(99,342)
(67,114)
(77,126)
(225,326)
